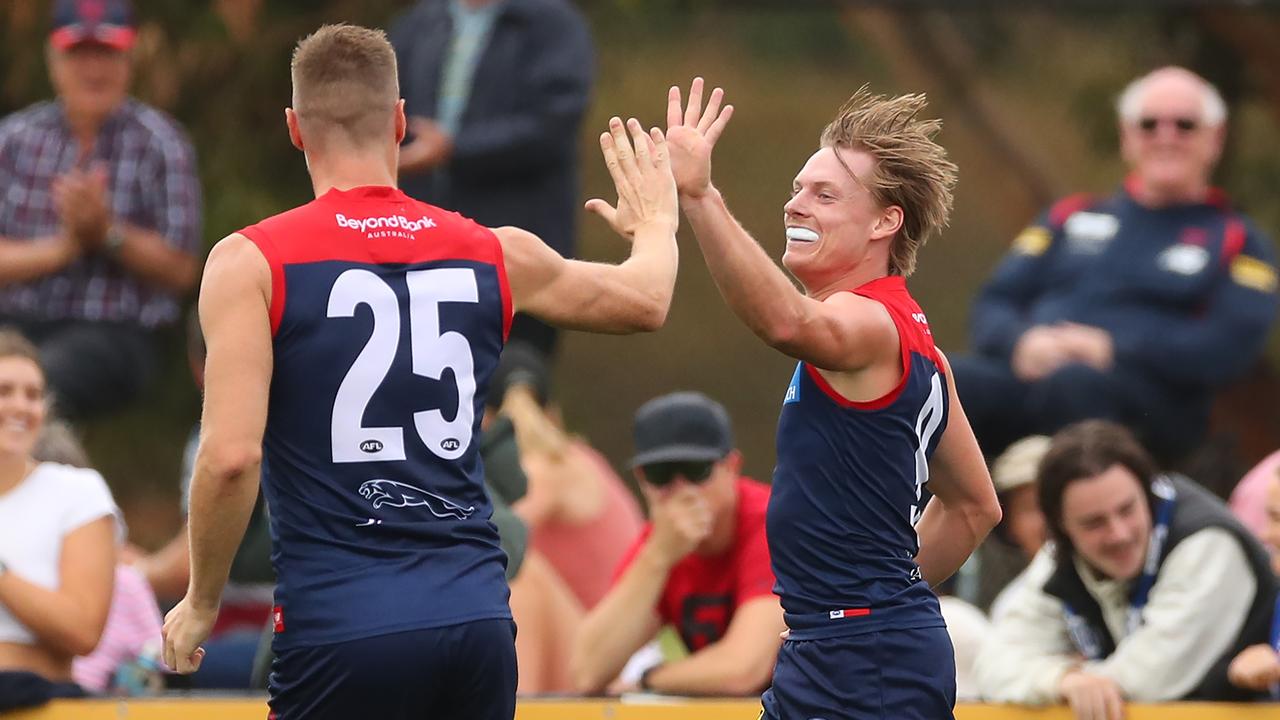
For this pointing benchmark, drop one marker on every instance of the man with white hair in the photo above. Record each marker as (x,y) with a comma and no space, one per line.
(1132,307)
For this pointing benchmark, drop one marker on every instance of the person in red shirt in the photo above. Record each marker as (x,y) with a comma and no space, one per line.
(701,564)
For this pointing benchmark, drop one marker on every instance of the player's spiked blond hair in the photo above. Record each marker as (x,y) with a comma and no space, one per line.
(911,170)
(344,80)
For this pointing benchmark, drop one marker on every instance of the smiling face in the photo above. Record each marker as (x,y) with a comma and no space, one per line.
(1166,137)
(22,406)
(835,228)
(1108,521)
(91,79)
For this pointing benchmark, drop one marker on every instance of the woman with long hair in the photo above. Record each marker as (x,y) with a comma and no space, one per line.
(58,528)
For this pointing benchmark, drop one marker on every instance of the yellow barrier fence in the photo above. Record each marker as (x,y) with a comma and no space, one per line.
(646,709)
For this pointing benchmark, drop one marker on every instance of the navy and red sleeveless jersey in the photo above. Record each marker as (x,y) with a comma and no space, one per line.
(849,488)
(388,316)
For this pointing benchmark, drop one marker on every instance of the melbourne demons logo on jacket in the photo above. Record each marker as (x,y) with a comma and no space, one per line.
(389,493)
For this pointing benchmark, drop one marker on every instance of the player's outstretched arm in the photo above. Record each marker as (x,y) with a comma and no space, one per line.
(632,296)
(964,506)
(234,304)
(825,334)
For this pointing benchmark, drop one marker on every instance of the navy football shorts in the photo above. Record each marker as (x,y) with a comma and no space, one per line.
(460,672)
(886,675)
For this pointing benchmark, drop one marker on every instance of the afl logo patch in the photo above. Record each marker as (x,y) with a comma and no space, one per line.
(450,444)
(371,446)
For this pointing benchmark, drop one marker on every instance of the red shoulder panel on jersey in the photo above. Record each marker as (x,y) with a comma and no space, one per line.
(259,237)
(1233,239)
(377,226)
(1068,206)
(913,337)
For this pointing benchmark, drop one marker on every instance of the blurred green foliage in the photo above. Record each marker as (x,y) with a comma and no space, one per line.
(1047,80)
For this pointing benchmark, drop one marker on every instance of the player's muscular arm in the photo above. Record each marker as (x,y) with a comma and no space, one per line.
(964,506)
(842,333)
(740,663)
(234,303)
(629,297)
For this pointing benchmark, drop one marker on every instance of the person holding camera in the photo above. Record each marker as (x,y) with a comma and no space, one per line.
(701,564)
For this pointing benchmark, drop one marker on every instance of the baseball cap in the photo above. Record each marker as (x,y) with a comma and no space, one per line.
(105,22)
(681,427)
(1017,465)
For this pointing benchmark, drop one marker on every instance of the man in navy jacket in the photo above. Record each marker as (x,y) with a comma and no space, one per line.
(1133,307)
(496,91)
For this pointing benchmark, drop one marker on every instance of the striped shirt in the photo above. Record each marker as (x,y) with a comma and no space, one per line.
(132,632)
(152,183)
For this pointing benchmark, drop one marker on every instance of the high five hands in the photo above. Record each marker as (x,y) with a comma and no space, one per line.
(692,132)
(641,170)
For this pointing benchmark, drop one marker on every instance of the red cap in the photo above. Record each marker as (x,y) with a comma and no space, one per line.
(104,22)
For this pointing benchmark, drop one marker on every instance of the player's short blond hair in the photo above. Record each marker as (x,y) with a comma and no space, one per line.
(911,170)
(345,81)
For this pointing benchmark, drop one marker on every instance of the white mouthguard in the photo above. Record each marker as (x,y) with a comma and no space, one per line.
(801,234)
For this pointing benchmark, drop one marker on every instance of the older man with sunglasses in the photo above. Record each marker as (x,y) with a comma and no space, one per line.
(1133,307)
(700,565)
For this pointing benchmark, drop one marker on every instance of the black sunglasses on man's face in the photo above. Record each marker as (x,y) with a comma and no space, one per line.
(665,473)
(1183,125)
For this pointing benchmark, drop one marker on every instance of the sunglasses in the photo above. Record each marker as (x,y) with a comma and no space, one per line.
(1183,125)
(665,473)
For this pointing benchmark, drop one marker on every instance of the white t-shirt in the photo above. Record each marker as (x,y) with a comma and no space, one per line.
(35,516)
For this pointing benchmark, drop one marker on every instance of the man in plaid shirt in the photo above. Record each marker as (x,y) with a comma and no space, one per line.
(99,215)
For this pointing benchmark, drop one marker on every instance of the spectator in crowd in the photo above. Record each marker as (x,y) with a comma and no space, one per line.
(581,515)
(247,598)
(1254,498)
(1257,667)
(58,532)
(1133,307)
(1148,591)
(129,650)
(495,91)
(99,218)
(701,564)
(1005,554)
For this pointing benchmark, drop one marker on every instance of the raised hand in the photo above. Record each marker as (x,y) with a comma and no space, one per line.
(641,172)
(692,133)
(430,147)
(681,521)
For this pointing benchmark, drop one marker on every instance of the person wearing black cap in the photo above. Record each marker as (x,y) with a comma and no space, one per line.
(100,218)
(700,565)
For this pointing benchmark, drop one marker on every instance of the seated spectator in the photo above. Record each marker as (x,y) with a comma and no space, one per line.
(130,643)
(58,533)
(1134,307)
(99,218)
(701,564)
(1251,500)
(1147,592)
(581,515)
(1257,667)
(1005,554)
